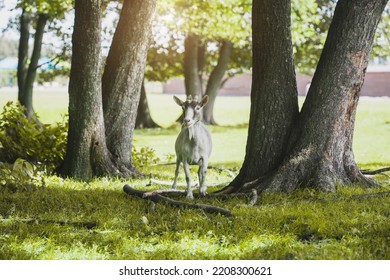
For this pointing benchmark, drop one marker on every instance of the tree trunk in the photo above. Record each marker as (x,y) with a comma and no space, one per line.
(319,152)
(123,75)
(191,69)
(200,64)
(274,98)
(25,24)
(87,154)
(26,95)
(144,119)
(322,155)
(215,80)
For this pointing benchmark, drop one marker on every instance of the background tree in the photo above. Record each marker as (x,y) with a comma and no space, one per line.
(210,29)
(144,118)
(382,38)
(35,13)
(287,148)
(164,61)
(102,110)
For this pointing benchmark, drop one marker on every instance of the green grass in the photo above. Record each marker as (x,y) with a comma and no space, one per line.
(302,225)
(48,223)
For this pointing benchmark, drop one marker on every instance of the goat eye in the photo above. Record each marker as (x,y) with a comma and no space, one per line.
(197,108)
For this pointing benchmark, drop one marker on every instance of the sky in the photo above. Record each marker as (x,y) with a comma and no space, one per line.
(6,14)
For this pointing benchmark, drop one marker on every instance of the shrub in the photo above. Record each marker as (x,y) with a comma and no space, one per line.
(144,157)
(29,139)
(21,175)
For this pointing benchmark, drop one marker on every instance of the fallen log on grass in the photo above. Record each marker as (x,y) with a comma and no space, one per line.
(374,172)
(156,197)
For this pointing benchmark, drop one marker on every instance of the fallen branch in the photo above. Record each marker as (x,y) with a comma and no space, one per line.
(374,172)
(158,198)
(170,192)
(169,184)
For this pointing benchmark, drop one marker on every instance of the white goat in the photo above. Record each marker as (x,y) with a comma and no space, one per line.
(193,144)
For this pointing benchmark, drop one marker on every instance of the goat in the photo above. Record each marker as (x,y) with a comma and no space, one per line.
(193,144)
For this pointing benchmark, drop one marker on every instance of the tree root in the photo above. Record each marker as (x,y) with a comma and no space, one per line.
(155,197)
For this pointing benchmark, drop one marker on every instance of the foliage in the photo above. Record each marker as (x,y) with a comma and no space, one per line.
(212,21)
(29,139)
(144,157)
(21,175)
(382,38)
(308,30)
(55,9)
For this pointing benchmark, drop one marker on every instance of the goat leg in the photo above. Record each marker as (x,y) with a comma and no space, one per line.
(174,186)
(186,167)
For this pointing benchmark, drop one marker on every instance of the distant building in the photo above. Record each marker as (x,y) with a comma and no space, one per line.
(376,83)
(8,66)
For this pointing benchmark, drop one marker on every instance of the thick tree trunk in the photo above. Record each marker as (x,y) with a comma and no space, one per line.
(123,75)
(25,24)
(215,80)
(191,69)
(144,119)
(319,152)
(274,99)
(87,154)
(322,156)
(26,95)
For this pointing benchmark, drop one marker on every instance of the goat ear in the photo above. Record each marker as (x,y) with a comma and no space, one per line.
(204,101)
(178,101)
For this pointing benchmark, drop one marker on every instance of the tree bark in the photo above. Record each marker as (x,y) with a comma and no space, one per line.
(87,154)
(200,64)
(215,80)
(144,119)
(25,24)
(319,151)
(191,69)
(26,96)
(274,98)
(322,156)
(123,75)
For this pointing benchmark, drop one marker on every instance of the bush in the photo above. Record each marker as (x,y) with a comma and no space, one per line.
(144,157)
(28,139)
(21,175)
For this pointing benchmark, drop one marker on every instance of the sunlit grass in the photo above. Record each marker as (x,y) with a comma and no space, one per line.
(52,222)
(303,225)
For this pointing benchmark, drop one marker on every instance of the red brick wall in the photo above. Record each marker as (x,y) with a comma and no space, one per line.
(375,84)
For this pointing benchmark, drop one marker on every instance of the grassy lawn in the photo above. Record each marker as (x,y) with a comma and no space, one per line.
(69,219)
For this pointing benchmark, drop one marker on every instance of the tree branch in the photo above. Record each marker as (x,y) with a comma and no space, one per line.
(157,198)
(378,171)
